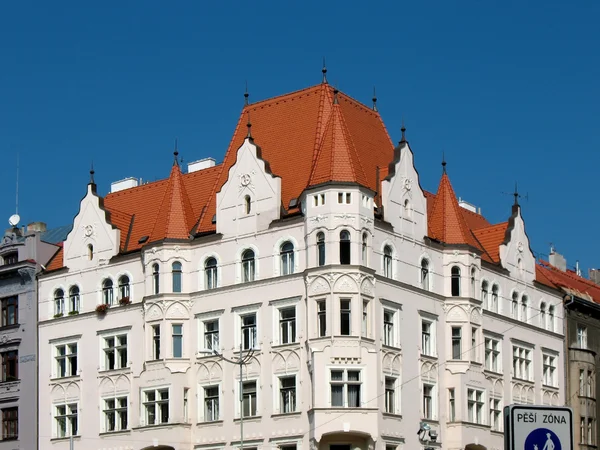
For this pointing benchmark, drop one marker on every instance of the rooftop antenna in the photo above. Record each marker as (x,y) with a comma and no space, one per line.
(374,100)
(516,195)
(246,95)
(15,218)
(324,71)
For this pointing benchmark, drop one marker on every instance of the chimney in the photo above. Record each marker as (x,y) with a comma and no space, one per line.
(558,261)
(468,206)
(595,275)
(201,164)
(126,183)
(39,227)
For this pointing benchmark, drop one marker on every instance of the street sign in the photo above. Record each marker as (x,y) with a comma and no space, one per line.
(538,428)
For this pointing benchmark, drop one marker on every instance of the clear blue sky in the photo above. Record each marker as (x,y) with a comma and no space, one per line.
(509,90)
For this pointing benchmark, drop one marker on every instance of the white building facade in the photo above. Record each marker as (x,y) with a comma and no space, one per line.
(358,328)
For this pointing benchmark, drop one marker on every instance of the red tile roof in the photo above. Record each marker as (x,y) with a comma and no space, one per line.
(568,279)
(490,238)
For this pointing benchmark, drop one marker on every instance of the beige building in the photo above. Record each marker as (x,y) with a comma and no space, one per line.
(370,313)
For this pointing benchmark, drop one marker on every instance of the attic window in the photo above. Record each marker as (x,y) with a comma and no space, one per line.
(319,199)
(10,258)
(247,204)
(143,239)
(344,197)
(214,219)
(90,248)
(293,203)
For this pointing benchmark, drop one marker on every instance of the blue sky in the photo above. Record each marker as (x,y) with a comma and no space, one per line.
(508,90)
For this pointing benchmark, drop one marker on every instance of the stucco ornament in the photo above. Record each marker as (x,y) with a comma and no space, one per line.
(520,247)
(318,218)
(246,181)
(88,231)
(407,184)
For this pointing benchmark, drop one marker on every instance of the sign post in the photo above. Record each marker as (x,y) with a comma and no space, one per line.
(538,428)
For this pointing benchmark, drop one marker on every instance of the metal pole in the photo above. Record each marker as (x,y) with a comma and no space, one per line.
(71,442)
(241,361)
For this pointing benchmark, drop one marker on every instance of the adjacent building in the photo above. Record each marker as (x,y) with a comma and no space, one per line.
(368,312)
(22,253)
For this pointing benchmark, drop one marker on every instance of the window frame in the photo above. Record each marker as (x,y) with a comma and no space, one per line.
(10,365)
(248,265)
(321,249)
(287,258)
(176,277)
(177,337)
(345,312)
(108,291)
(117,350)
(68,357)
(522,361)
(493,354)
(345,245)
(117,409)
(209,414)
(388,261)
(345,383)
(157,402)
(476,406)
(70,416)
(10,303)
(211,273)
(10,423)
(287,393)
(455,281)
(432,341)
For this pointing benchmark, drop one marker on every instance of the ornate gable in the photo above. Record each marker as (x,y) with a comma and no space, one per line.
(515,254)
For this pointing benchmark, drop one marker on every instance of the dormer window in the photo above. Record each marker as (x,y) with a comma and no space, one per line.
(59,302)
(247,204)
(124,287)
(455,281)
(107,292)
(176,274)
(287,258)
(90,252)
(248,266)
(321,248)
(345,247)
(210,273)
(11,258)
(155,279)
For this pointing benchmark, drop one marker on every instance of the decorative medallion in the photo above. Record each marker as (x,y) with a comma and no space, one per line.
(407,184)
(245,179)
(520,247)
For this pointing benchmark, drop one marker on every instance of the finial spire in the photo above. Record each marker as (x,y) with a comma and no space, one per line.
(324,71)
(374,100)
(246,95)
(92,174)
(516,194)
(403,130)
(443,161)
(249,125)
(335,96)
(175,154)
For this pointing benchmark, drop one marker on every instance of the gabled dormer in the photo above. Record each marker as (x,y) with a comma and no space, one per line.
(403,201)
(93,239)
(515,253)
(250,199)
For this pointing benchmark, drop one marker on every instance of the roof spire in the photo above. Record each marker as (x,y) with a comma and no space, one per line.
(175,154)
(92,174)
(335,96)
(516,194)
(324,71)
(443,161)
(374,100)
(249,125)
(246,95)
(403,130)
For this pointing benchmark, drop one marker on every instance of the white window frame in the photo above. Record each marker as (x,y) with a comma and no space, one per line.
(493,354)
(202,416)
(202,278)
(476,406)
(161,339)
(460,340)
(68,415)
(549,369)
(117,410)
(582,337)
(68,358)
(114,334)
(395,396)
(524,362)
(277,306)
(433,397)
(474,351)
(239,314)
(201,320)
(277,393)
(321,315)
(157,401)
(395,309)
(172,335)
(238,396)
(345,383)
(432,336)
(495,413)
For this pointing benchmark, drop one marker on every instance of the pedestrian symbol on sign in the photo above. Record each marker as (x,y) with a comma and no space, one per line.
(542,439)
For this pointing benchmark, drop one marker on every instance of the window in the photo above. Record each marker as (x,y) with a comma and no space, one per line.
(581,382)
(249,399)
(248,266)
(322,318)
(474,344)
(455,281)
(176,273)
(590,428)
(10,423)
(390,395)
(210,273)
(115,352)
(11,258)
(345,317)
(74,299)
(321,248)
(249,331)
(515,306)
(543,315)
(90,252)
(521,363)
(10,311)
(473,272)
(344,247)
(475,406)
(66,360)
(495,414)
(581,336)
(345,388)
(524,306)
(365,240)
(456,342)
(406,208)
(115,414)
(589,385)
(211,403)
(156,341)
(10,365)
(582,430)
(388,327)
(427,345)
(65,417)
(551,318)
(494,304)
(177,336)
(427,401)
(247,204)
(387,261)
(186,415)
(59,302)
(319,199)
(484,295)
(287,394)
(124,287)
(211,334)
(155,278)
(492,355)
(549,370)
(287,325)
(425,274)
(287,258)
(451,405)
(365,318)
(156,406)
(344,197)
(107,292)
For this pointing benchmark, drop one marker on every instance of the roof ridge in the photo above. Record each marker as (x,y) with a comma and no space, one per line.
(283,97)
(352,148)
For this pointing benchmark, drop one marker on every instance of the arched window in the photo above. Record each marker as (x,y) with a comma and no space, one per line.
(406,208)
(473,272)
(365,240)
(387,261)
(210,273)
(248,266)
(494,306)
(90,249)
(425,274)
(551,318)
(515,306)
(124,288)
(287,258)
(520,265)
(455,281)
(176,273)
(344,247)
(321,248)
(107,292)
(524,308)
(59,302)
(247,204)
(484,295)
(543,315)
(155,279)
(74,299)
